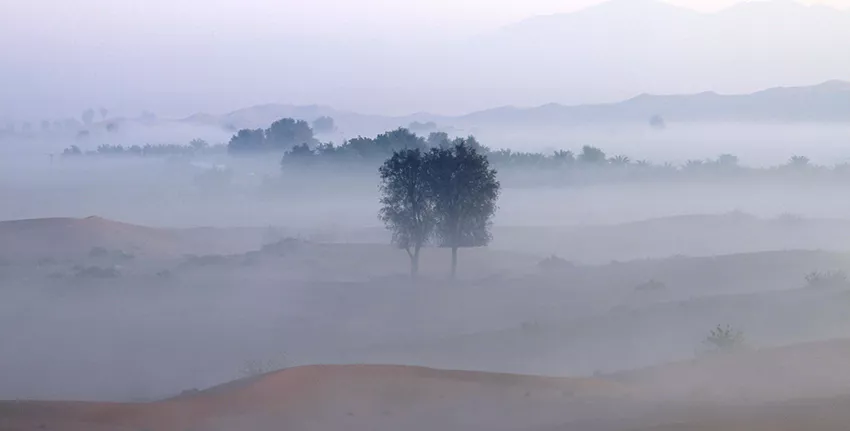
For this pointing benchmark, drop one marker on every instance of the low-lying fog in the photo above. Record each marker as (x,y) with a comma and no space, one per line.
(757,145)
(644,269)
(138,191)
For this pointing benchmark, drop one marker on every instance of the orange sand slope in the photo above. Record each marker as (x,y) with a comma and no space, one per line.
(61,238)
(328,397)
(801,371)
(810,415)
(64,237)
(791,388)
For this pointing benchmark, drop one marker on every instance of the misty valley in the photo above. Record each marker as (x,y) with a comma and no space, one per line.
(584,215)
(173,269)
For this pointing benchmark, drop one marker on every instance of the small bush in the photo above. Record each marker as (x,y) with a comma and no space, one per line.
(256,368)
(555,263)
(724,339)
(651,286)
(826,279)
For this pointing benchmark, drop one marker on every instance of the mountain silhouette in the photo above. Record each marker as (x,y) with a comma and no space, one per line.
(827,102)
(621,47)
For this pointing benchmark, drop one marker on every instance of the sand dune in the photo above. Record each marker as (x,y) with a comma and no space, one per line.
(802,371)
(789,388)
(805,386)
(334,397)
(832,414)
(66,238)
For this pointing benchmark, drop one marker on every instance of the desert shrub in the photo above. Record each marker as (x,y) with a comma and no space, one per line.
(724,339)
(827,279)
(555,263)
(96,272)
(255,368)
(651,286)
(531,326)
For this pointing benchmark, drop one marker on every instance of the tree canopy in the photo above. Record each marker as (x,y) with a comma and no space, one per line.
(445,194)
(280,136)
(286,133)
(464,190)
(406,207)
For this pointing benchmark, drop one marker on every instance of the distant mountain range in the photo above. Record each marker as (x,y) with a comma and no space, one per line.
(624,45)
(611,51)
(827,102)
(605,53)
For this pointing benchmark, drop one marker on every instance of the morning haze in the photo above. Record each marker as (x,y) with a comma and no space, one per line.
(519,216)
(178,58)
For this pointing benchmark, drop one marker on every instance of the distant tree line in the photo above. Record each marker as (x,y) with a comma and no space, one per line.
(195,147)
(373,150)
(296,143)
(71,125)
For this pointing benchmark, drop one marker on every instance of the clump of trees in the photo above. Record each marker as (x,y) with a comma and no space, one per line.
(357,149)
(445,195)
(296,142)
(373,150)
(280,136)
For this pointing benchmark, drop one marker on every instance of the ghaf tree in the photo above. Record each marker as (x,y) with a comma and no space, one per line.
(406,207)
(464,191)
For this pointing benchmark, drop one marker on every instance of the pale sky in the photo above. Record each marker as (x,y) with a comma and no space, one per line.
(177,57)
(368,18)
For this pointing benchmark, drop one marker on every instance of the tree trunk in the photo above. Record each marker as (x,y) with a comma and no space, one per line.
(454,262)
(414,263)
